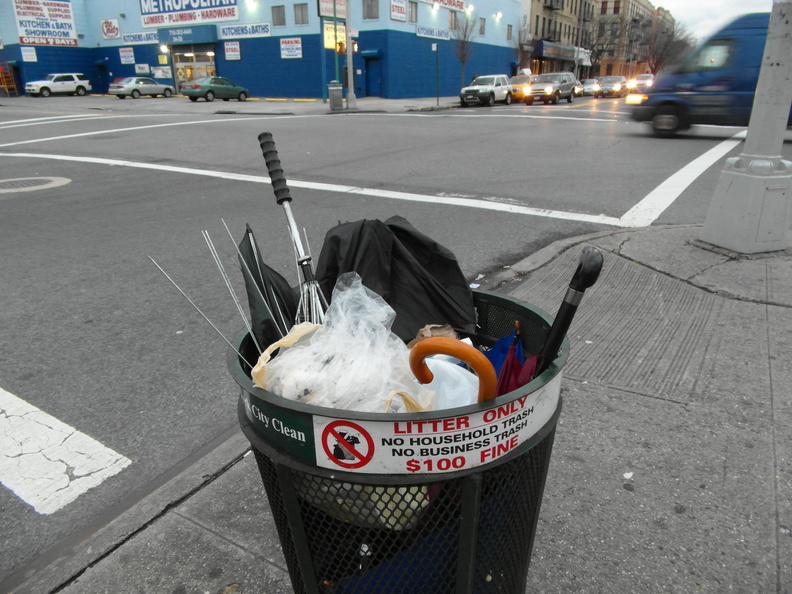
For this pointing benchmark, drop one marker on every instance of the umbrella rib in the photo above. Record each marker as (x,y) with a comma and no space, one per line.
(216,329)
(227,280)
(282,328)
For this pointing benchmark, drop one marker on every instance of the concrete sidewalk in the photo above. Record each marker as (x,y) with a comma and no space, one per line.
(671,467)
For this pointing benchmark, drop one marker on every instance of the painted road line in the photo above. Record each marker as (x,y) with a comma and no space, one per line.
(147,127)
(654,204)
(45,462)
(495,204)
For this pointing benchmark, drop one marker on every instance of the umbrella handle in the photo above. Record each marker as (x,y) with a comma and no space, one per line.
(441,345)
(274,168)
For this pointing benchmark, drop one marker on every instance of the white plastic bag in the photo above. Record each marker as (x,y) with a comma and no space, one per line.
(453,385)
(352,362)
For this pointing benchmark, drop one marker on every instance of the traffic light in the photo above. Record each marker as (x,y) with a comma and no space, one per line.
(340,47)
(355,46)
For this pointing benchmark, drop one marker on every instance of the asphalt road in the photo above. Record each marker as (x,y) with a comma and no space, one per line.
(94,335)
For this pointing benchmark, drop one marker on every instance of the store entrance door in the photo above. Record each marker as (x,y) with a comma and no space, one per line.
(190,64)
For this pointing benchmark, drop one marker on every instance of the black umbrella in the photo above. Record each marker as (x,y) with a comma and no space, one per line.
(419,278)
(273,307)
(586,274)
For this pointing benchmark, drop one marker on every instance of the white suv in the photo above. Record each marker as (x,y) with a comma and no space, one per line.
(71,83)
(486,90)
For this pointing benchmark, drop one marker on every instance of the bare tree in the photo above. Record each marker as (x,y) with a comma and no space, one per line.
(463,31)
(607,34)
(667,45)
(523,48)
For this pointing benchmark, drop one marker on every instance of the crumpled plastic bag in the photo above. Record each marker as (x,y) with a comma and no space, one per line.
(453,385)
(352,362)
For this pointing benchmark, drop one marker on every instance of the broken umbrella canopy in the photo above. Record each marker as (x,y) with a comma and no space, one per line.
(271,299)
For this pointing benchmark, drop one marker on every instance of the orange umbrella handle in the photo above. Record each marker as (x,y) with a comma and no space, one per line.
(441,345)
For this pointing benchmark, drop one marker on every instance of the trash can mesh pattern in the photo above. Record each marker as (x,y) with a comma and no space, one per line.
(468,534)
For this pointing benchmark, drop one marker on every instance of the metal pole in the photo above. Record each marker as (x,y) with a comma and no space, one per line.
(335,40)
(351,98)
(750,212)
(436,48)
(323,61)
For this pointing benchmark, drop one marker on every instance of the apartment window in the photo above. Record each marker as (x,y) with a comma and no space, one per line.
(370,10)
(278,16)
(536,29)
(300,14)
(616,6)
(482,26)
(604,8)
(413,12)
(508,32)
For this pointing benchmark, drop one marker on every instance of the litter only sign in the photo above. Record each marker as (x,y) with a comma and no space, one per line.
(433,445)
(398,445)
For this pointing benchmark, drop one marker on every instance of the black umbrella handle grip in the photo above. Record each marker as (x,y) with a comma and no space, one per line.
(586,274)
(274,168)
(588,270)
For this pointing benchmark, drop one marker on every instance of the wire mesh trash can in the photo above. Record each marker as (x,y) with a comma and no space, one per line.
(437,502)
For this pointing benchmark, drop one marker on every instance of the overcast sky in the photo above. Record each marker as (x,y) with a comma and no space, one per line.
(704,17)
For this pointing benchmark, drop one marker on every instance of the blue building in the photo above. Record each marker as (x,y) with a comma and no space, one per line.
(276,48)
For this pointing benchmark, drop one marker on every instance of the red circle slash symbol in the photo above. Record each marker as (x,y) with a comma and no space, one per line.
(347,444)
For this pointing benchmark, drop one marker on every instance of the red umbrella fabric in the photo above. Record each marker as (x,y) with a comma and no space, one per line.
(514,373)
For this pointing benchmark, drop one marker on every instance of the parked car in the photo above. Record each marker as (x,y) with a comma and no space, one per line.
(210,87)
(715,84)
(612,86)
(519,84)
(591,86)
(640,83)
(135,86)
(551,88)
(72,83)
(486,90)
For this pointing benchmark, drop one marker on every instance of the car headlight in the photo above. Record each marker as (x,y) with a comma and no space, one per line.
(548,90)
(633,99)
(649,83)
(617,87)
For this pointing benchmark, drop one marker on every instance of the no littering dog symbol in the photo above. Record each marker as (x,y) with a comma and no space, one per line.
(347,444)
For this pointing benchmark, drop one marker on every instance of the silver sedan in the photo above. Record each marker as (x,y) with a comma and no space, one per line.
(135,86)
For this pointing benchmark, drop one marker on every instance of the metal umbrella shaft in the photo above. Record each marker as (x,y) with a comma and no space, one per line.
(312,302)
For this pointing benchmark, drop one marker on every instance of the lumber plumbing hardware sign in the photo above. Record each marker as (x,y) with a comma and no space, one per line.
(161,13)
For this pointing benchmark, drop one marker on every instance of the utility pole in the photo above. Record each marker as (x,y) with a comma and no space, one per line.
(581,9)
(750,212)
(351,98)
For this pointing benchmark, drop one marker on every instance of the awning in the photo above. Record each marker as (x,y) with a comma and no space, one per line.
(373,54)
(546,49)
